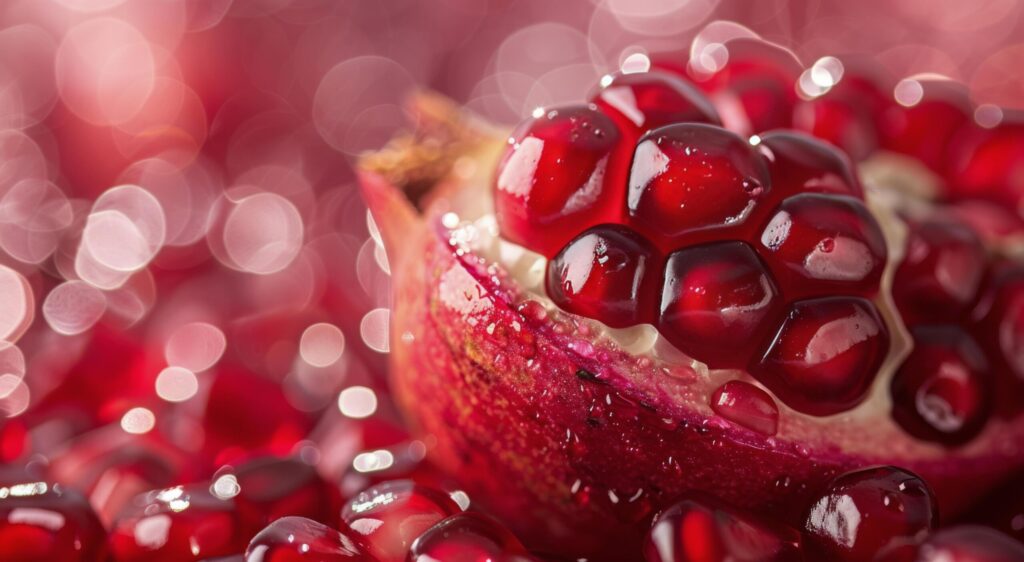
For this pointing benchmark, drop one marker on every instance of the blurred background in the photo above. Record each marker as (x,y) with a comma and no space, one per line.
(184,258)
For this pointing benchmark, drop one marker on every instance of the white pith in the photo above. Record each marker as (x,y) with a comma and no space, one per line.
(890,185)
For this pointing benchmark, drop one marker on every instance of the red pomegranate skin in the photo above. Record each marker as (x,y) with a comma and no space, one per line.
(573,443)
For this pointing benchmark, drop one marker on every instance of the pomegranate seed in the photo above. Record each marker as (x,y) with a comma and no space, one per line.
(391,515)
(831,240)
(647,100)
(942,391)
(716,300)
(177,525)
(825,354)
(691,177)
(271,488)
(800,163)
(989,163)
(940,272)
(994,223)
(706,531)
(608,273)
(40,522)
(925,123)
(746,405)
(467,537)
(561,174)
(966,543)
(865,511)
(291,539)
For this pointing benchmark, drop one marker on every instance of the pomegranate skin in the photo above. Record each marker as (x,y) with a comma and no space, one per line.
(574,443)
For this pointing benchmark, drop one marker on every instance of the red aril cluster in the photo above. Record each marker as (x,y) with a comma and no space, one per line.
(297,539)
(468,537)
(41,521)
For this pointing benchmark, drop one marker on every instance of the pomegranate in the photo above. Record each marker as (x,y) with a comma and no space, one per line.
(960,544)
(468,537)
(608,312)
(293,539)
(41,521)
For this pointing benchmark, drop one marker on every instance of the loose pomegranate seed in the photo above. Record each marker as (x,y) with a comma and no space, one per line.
(966,543)
(690,177)
(43,522)
(178,525)
(746,405)
(831,240)
(940,272)
(293,539)
(271,488)
(800,163)
(942,391)
(863,512)
(609,273)
(647,100)
(930,113)
(706,531)
(561,174)
(989,163)
(825,354)
(716,300)
(391,515)
(467,537)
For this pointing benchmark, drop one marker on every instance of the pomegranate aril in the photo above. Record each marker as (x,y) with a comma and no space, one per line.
(704,530)
(43,522)
(940,272)
(716,300)
(390,516)
(564,171)
(178,524)
(1000,314)
(930,113)
(942,392)
(747,405)
(467,537)
(271,488)
(608,273)
(866,511)
(821,244)
(825,354)
(295,539)
(989,163)
(800,163)
(966,543)
(690,177)
(647,100)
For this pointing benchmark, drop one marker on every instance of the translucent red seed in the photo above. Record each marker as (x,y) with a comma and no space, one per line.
(688,178)
(931,113)
(819,244)
(865,512)
(1000,314)
(560,175)
(716,301)
(746,405)
(390,516)
(942,392)
(989,163)
(941,271)
(467,537)
(966,543)
(647,100)
(825,354)
(800,163)
(609,273)
(704,530)
(270,488)
(296,539)
(40,521)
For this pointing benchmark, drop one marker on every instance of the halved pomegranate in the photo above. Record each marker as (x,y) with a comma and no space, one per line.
(591,326)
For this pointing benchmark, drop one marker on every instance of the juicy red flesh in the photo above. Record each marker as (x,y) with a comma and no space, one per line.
(271,488)
(42,522)
(800,163)
(687,178)
(647,100)
(390,516)
(989,163)
(866,511)
(296,539)
(832,241)
(560,176)
(747,405)
(716,300)
(924,129)
(467,537)
(942,392)
(706,531)
(178,525)
(609,273)
(825,354)
(966,543)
